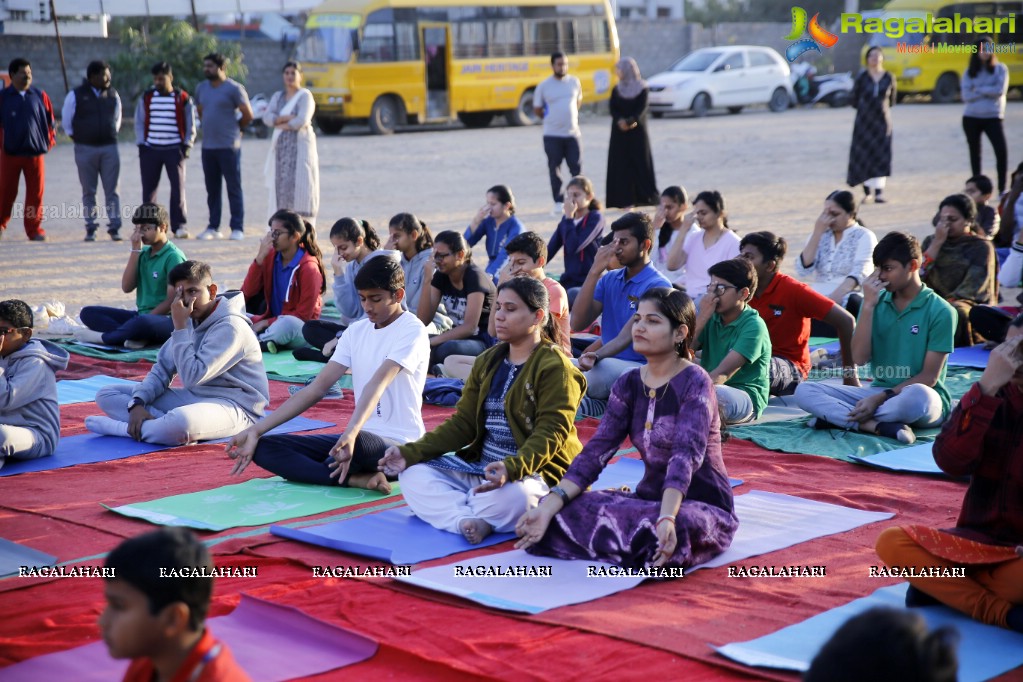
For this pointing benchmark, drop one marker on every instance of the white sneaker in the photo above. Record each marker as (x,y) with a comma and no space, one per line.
(558,209)
(132,344)
(106,426)
(87,335)
(210,234)
(181,233)
(236,235)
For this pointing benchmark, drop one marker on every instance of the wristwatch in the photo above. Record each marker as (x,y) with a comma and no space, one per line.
(135,402)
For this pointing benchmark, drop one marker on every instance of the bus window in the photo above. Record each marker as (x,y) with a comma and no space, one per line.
(541,36)
(505,37)
(408,41)
(566,36)
(330,41)
(1004,10)
(470,39)
(586,35)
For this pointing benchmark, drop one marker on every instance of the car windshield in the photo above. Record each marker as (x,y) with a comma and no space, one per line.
(327,38)
(886,40)
(696,61)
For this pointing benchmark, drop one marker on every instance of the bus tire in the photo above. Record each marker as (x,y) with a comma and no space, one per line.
(946,89)
(476,119)
(523,115)
(385,116)
(330,125)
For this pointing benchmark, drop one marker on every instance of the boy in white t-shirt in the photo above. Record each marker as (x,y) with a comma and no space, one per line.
(388,352)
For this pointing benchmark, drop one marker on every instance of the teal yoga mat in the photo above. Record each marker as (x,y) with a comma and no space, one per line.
(283,366)
(256,502)
(71,391)
(119,354)
(984,651)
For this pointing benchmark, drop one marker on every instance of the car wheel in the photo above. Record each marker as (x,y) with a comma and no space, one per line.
(779,100)
(523,115)
(839,99)
(657,114)
(734,110)
(701,104)
(946,89)
(384,116)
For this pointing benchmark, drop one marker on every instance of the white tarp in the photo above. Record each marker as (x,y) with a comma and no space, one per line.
(135,8)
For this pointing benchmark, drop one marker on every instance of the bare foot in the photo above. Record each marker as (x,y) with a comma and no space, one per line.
(475,530)
(375,481)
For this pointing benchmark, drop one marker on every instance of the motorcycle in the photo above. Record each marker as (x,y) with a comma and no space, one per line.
(257,127)
(834,89)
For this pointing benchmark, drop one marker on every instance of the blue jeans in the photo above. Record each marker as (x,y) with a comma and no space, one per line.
(304,459)
(560,149)
(470,347)
(118,325)
(735,404)
(604,374)
(226,165)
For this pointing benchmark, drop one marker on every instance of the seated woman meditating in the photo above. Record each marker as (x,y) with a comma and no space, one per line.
(513,431)
(980,440)
(682,512)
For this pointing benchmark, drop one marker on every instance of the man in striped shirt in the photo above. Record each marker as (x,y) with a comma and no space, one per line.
(165,132)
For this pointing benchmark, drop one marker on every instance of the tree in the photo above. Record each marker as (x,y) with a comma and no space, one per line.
(176,43)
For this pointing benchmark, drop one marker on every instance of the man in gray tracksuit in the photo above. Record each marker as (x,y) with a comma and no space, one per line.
(214,351)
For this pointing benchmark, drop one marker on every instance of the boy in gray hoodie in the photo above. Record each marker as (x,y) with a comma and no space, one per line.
(214,350)
(29,416)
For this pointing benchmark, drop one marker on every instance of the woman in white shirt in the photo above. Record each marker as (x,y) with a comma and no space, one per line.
(671,224)
(712,243)
(837,256)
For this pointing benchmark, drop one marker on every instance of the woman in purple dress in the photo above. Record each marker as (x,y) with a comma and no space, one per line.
(682,512)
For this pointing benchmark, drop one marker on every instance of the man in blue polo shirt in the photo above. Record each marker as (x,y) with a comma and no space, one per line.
(614,296)
(905,330)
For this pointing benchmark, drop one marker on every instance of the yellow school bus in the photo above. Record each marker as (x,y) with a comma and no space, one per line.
(392,62)
(933,62)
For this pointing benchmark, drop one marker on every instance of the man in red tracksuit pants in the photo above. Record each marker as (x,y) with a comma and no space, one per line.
(26,134)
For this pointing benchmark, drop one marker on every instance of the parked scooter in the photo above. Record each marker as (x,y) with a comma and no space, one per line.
(259,104)
(833,89)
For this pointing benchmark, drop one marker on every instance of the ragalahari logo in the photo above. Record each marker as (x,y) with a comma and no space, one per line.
(818,36)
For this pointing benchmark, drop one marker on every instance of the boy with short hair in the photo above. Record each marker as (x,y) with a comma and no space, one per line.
(786,306)
(905,330)
(151,259)
(735,343)
(29,415)
(217,356)
(157,620)
(527,255)
(388,352)
(981,189)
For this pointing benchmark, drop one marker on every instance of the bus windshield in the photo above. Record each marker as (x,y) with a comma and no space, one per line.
(696,61)
(882,40)
(328,38)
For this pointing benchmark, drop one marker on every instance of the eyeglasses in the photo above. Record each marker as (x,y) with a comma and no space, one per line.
(277,233)
(719,289)
(440,256)
(4,331)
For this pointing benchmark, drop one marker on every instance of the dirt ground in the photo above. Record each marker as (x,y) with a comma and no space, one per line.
(773,169)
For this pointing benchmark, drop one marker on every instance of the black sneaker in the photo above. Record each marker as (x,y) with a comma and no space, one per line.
(114,236)
(90,237)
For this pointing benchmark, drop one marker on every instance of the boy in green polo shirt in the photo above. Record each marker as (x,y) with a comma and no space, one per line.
(151,258)
(905,331)
(735,344)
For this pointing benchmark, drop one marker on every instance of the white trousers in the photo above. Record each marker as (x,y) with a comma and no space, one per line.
(20,442)
(444,498)
(286,332)
(181,416)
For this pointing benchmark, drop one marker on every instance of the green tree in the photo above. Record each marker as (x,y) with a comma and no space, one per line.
(176,43)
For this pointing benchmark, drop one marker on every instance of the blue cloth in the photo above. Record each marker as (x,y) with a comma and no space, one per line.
(282,280)
(496,237)
(444,392)
(620,298)
(25,121)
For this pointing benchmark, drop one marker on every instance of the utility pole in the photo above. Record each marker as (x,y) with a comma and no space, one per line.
(60,46)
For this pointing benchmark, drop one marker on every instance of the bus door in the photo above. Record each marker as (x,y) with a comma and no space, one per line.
(436,57)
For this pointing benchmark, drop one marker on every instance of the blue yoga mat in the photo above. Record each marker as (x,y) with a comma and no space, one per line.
(970,356)
(917,459)
(985,651)
(13,556)
(90,448)
(71,391)
(396,535)
(627,472)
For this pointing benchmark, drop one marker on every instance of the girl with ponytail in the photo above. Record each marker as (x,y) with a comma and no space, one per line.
(412,239)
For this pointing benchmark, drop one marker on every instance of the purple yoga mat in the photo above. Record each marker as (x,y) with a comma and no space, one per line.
(270,641)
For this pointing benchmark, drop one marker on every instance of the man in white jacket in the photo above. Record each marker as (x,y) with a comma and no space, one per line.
(214,350)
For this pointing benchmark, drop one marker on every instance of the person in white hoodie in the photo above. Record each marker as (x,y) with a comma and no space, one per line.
(214,351)
(29,416)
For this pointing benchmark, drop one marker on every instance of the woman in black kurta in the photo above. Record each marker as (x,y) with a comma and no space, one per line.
(870,156)
(630,166)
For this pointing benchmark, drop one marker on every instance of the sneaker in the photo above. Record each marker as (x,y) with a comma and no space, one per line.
(268,347)
(181,233)
(90,237)
(209,234)
(39,238)
(87,335)
(114,237)
(878,198)
(559,208)
(132,344)
(237,235)
(438,371)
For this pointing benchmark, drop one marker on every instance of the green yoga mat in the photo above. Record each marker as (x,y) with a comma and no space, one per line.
(253,503)
(108,352)
(794,436)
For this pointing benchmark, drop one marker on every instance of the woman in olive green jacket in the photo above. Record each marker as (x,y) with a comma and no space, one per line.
(513,432)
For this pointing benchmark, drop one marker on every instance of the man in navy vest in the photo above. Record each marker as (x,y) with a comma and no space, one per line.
(26,134)
(91,116)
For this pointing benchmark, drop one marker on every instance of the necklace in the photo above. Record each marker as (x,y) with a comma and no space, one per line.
(652,394)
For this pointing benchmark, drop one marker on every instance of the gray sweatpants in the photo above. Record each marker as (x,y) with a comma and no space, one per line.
(21,442)
(181,416)
(916,405)
(97,164)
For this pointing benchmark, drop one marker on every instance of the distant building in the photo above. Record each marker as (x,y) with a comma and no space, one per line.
(649,9)
(32,18)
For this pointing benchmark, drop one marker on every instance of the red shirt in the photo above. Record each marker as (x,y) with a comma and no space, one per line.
(786,306)
(209,661)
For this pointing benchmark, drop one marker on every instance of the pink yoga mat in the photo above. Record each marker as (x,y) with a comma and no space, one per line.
(271,642)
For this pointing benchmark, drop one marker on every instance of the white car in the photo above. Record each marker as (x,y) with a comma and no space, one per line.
(730,77)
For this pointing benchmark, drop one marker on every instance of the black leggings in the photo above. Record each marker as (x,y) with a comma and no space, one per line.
(317,333)
(821,328)
(304,459)
(992,127)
